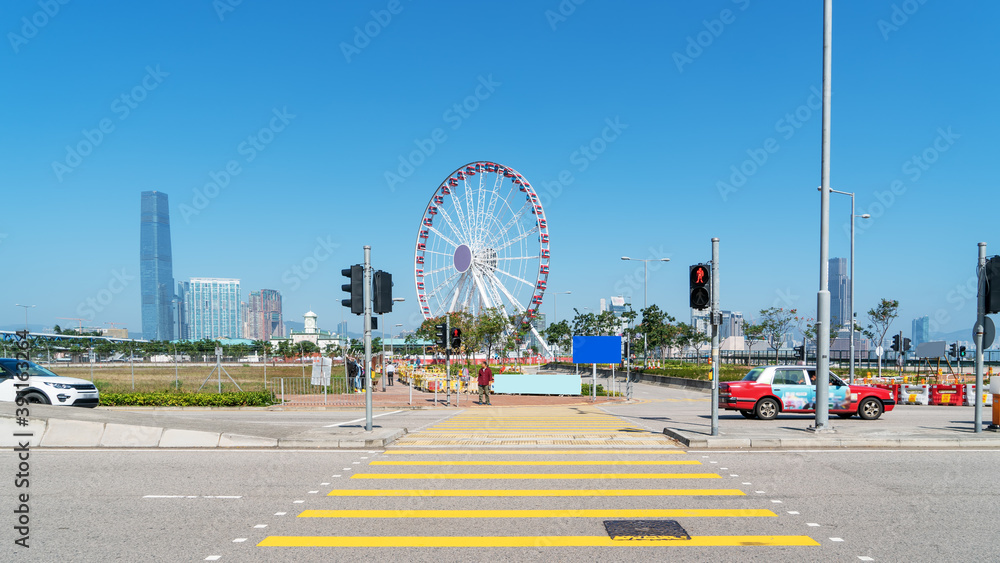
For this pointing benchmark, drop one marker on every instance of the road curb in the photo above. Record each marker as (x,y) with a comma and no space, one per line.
(62,433)
(830,442)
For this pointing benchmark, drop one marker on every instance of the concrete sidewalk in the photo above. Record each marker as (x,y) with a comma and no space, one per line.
(685,415)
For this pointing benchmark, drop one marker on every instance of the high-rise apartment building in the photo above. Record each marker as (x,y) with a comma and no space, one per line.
(921,331)
(182,322)
(262,315)
(840,293)
(156,277)
(212,308)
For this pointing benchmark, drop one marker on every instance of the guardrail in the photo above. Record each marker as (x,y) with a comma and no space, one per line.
(302,391)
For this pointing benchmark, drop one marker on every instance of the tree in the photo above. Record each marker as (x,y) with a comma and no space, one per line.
(658,329)
(491,326)
(881,318)
(689,335)
(776,322)
(752,333)
(557,334)
(584,324)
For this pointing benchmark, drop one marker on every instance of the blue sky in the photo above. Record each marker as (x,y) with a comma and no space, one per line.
(165,96)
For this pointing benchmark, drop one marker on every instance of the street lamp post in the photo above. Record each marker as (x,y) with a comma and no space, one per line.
(26,307)
(645,280)
(555,308)
(853,215)
(394,300)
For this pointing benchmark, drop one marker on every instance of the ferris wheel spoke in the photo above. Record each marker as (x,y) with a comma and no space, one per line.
(510,224)
(459,287)
(521,236)
(491,286)
(438,271)
(517,304)
(443,237)
(510,258)
(438,252)
(481,288)
(454,228)
(443,284)
(515,278)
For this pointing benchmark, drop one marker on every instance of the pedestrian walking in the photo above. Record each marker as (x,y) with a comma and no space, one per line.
(485,379)
(352,375)
(390,371)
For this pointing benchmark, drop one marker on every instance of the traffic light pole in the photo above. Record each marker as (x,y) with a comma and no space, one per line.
(715,336)
(368,337)
(447,359)
(979,335)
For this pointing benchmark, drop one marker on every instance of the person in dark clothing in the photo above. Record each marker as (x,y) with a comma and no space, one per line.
(485,379)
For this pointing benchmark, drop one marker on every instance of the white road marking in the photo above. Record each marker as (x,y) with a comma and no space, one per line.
(356,462)
(280,513)
(865,558)
(759,492)
(812,524)
(336,475)
(746,483)
(776,501)
(793,512)
(239,540)
(836,539)
(213,558)
(360,419)
(313,492)
(347,469)
(321,484)
(298,501)
(188,496)
(260,526)
(733,475)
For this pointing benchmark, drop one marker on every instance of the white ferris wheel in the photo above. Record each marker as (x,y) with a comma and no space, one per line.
(483,242)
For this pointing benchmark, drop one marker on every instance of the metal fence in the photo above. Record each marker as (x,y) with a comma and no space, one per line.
(302,391)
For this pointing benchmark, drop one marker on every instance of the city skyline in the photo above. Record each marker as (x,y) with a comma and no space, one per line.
(281,182)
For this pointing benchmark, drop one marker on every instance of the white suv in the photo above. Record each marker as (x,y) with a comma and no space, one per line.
(43,386)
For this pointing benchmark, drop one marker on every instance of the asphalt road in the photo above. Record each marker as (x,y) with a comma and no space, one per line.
(176,505)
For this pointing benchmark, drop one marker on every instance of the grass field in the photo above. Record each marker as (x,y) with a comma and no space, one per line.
(117,378)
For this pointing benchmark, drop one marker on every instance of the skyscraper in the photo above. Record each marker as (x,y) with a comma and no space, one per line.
(262,320)
(212,308)
(156,269)
(921,331)
(840,293)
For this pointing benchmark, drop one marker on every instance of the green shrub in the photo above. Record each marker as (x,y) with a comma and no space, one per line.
(184,399)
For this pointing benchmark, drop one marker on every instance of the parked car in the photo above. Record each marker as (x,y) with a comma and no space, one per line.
(44,386)
(766,391)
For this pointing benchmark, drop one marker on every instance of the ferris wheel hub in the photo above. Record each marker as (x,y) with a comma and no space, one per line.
(463,258)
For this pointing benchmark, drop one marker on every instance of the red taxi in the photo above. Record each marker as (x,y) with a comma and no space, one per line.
(767,390)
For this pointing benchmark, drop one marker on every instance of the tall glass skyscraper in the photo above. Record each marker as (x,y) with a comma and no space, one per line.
(156,268)
(840,293)
(921,331)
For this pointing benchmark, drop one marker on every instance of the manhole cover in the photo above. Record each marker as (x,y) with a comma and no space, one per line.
(645,530)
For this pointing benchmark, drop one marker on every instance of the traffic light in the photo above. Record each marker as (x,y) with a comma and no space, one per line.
(381,292)
(952,351)
(800,352)
(442,336)
(701,298)
(906,344)
(895,343)
(961,351)
(456,338)
(992,290)
(356,302)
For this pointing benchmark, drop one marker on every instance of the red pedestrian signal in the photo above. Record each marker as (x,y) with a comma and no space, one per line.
(701,297)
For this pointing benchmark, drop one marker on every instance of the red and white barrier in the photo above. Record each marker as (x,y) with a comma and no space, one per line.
(970,395)
(947,394)
(914,394)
